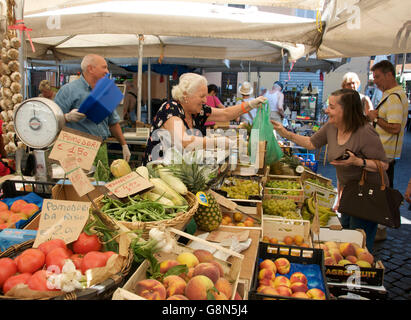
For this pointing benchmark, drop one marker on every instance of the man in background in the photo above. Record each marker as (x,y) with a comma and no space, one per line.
(276,101)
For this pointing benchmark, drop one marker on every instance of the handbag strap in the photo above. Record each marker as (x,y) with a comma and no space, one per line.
(364,174)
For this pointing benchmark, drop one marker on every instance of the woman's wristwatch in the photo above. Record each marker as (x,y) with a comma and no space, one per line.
(364,163)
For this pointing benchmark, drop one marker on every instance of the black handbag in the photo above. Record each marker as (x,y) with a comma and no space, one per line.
(372,202)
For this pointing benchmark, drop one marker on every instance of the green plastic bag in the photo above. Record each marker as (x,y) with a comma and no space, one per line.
(262,130)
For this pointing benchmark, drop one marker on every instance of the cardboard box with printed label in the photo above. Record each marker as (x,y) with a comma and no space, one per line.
(325,192)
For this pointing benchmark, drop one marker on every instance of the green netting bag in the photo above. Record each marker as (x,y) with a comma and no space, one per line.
(262,130)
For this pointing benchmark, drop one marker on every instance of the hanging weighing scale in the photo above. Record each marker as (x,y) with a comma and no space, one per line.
(37,123)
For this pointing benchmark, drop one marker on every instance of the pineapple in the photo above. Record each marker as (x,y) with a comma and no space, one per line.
(207,218)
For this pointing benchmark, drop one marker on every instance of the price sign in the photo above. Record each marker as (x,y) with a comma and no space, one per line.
(76,144)
(76,175)
(61,219)
(129,184)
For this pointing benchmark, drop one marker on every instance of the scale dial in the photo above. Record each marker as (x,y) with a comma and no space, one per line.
(38,121)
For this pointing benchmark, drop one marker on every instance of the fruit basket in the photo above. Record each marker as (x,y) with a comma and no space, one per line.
(284,187)
(279,266)
(178,222)
(99,282)
(201,264)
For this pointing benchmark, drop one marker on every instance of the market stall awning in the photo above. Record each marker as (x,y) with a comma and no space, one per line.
(365,28)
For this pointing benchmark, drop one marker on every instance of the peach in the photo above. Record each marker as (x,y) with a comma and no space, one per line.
(240,224)
(203,255)
(207,269)
(329,261)
(219,266)
(168,264)
(219,295)
(301,295)
(174,285)
(198,287)
(269,291)
(266,239)
(343,262)
(29,209)
(288,240)
(268,264)
(177,297)
(14,217)
(273,240)
(3,206)
(316,294)
(266,274)
(336,255)
(298,240)
(305,245)
(359,250)
(298,287)
(266,282)
(238,216)
(298,277)
(187,258)
(248,223)
(151,289)
(5,214)
(281,281)
(347,249)
(224,286)
(283,265)
(187,276)
(352,259)
(17,205)
(366,256)
(331,244)
(363,264)
(284,291)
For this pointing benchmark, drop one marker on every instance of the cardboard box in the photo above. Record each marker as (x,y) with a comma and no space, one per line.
(342,274)
(352,292)
(231,269)
(279,228)
(298,197)
(326,197)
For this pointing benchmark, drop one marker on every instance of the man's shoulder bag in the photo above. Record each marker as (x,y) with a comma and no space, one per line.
(373,202)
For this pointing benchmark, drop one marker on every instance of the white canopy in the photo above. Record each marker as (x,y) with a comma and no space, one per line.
(357,28)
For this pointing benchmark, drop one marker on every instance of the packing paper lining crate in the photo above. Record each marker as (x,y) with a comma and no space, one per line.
(231,270)
(373,276)
(299,192)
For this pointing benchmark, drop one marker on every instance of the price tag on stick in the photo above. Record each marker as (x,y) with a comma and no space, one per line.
(61,219)
(128,185)
(77,176)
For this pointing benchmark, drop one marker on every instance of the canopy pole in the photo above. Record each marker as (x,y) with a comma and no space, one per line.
(249,71)
(140,74)
(149,91)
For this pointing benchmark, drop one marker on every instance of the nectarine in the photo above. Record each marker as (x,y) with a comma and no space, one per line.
(174,285)
(188,258)
(283,265)
(151,289)
(207,269)
(198,287)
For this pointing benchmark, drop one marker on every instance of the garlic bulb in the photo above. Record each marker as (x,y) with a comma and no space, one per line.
(13,54)
(14,65)
(4,116)
(12,147)
(5,81)
(15,76)
(10,126)
(10,114)
(6,93)
(4,57)
(6,139)
(15,87)
(10,135)
(6,43)
(8,103)
(17,98)
(15,42)
(4,68)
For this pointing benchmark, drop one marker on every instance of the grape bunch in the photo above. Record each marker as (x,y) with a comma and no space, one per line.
(241,188)
(284,208)
(283,184)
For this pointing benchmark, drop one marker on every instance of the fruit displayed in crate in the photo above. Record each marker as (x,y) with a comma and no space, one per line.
(237,219)
(240,188)
(297,240)
(18,210)
(284,187)
(274,278)
(308,212)
(193,275)
(321,184)
(346,253)
(286,208)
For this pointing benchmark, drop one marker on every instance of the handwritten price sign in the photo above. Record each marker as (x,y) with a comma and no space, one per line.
(76,175)
(128,185)
(61,219)
(74,143)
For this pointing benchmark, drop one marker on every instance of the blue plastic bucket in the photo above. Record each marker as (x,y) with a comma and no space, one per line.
(102,100)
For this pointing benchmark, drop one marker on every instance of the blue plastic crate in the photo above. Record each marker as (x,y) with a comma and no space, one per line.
(102,100)
(308,160)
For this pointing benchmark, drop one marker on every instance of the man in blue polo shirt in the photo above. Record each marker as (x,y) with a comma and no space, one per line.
(71,95)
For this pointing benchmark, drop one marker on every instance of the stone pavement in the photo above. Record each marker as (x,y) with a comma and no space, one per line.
(395,250)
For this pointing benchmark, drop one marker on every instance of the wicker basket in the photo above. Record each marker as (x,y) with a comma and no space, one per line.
(102,291)
(179,222)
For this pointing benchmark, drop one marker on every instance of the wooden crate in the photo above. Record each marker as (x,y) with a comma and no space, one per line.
(231,269)
(299,198)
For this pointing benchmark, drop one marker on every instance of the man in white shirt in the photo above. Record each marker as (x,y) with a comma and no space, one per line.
(276,101)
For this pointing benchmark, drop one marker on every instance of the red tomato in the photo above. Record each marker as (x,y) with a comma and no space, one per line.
(93,259)
(109,253)
(86,243)
(77,258)
(47,246)
(55,259)
(30,260)
(38,281)
(8,268)
(15,280)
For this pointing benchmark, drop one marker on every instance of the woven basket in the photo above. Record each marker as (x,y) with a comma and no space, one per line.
(103,290)
(179,222)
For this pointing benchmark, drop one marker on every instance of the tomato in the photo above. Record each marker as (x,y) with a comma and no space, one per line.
(77,258)
(47,246)
(109,253)
(16,205)
(93,259)
(38,281)
(86,243)
(15,280)
(8,268)
(30,260)
(55,259)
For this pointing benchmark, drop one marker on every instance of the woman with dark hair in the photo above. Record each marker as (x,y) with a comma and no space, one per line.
(213,101)
(347,129)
